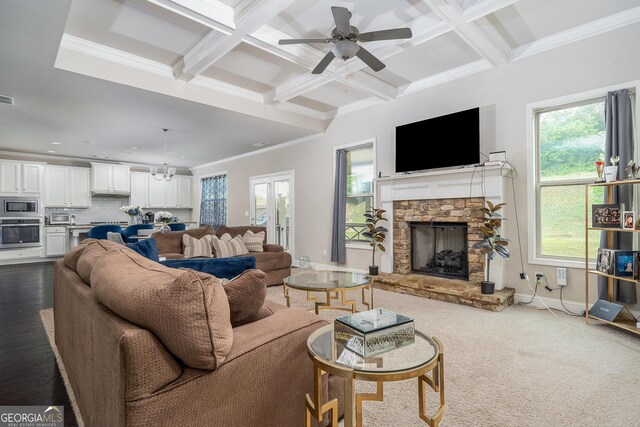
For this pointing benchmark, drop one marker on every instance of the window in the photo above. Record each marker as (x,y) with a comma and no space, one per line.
(569,140)
(213,200)
(360,185)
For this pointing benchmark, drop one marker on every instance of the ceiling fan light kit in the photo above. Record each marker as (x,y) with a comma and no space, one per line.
(345,37)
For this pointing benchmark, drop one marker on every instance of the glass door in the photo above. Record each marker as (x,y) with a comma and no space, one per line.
(272,207)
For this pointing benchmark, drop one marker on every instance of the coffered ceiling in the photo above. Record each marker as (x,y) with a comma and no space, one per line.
(225,54)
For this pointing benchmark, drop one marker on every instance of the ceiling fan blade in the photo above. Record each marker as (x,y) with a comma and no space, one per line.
(324,63)
(394,34)
(369,59)
(342,16)
(299,41)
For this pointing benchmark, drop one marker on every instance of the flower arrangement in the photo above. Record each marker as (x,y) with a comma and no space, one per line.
(132,210)
(163,216)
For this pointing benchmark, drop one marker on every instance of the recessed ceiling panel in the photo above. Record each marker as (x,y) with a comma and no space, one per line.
(433,57)
(336,94)
(252,64)
(312,18)
(134,26)
(530,20)
(310,103)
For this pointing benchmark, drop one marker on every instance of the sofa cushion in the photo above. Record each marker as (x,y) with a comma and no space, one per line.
(171,241)
(240,230)
(246,293)
(171,255)
(196,247)
(147,248)
(253,241)
(186,310)
(268,261)
(72,256)
(92,252)
(234,247)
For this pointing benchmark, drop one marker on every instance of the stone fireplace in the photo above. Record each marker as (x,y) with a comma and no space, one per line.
(439,249)
(434,237)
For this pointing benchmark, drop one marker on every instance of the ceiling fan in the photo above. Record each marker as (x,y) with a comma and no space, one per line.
(344,37)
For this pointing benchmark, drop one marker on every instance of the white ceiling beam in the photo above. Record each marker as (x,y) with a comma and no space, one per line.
(369,84)
(484,8)
(210,13)
(444,77)
(249,16)
(599,26)
(267,37)
(297,86)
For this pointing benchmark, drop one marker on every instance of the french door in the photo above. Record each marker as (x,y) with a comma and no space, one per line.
(272,207)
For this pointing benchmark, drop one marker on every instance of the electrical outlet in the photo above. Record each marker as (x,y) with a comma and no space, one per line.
(561,276)
(324,252)
(539,275)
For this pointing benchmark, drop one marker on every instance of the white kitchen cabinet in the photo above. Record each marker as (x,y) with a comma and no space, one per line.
(55,241)
(108,179)
(79,187)
(67,187)
(171,193)
(19,178)
(156,193)
(184,191)
(139,189)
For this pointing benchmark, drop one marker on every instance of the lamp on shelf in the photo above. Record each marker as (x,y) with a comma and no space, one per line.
(167,172)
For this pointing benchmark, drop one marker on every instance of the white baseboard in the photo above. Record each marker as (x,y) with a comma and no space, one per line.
(575,306)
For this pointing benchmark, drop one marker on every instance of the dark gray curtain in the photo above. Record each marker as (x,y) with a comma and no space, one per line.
(619,142)
(338,245)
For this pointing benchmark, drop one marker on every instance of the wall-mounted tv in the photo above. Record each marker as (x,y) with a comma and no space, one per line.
(439,142)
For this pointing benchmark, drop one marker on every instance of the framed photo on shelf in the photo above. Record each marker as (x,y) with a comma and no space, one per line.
(607,215)
(623,263)
(628,220)
(605,263)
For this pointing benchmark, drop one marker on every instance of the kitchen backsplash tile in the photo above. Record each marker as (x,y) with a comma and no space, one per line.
(106,209)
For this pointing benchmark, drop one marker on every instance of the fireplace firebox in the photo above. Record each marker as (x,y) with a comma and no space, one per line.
(440,249)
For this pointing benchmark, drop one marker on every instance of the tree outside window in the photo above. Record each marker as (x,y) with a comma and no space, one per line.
(360,185)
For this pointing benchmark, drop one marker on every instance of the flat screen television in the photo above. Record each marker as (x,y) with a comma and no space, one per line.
(439,142)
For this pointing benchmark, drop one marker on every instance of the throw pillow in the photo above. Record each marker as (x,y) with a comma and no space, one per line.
(147,248)
(186,310)
(115,237)
(197,247)
(226,237)
(234,247)
(246,294)
(253,241)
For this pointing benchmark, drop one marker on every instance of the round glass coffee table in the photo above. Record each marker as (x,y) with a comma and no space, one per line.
(334,285)
(424,359)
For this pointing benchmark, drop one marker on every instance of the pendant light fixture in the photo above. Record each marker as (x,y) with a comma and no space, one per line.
(167,172)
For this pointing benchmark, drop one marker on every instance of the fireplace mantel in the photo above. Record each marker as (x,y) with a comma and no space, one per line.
(488,182)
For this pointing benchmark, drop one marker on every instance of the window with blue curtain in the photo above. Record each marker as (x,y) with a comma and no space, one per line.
(213,201)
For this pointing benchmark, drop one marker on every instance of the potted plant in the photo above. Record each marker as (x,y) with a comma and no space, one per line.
(134,212)
(375,233)
(493,243)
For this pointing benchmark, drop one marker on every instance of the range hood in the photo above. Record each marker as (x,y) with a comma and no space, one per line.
(113,193)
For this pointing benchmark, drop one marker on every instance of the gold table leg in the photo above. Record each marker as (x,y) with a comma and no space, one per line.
(436,381)
(313,404)
(321,304)
(369,305)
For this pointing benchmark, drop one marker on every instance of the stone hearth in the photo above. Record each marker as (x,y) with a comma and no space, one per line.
(447,290)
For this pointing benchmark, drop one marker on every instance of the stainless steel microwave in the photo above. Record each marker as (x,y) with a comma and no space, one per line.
(20,206)
(59,218)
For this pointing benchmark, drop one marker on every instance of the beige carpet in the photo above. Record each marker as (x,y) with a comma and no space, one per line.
(521,367)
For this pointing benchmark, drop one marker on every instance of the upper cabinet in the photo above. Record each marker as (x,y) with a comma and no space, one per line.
(110,179)
(67,187)
(149,192)
(19,178)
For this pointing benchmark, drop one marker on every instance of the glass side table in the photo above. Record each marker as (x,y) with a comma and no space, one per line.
(423,359)
(333,284)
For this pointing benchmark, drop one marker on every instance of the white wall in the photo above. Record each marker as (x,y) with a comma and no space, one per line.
(597,62)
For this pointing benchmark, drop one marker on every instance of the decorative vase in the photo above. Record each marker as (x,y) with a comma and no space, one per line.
(610,173)
(165,227)
(373,270)
(133,219)
(487,287)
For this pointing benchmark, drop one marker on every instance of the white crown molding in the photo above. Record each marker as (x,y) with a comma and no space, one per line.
(260,151)
(576,34)
(227,88)
(444,77)
(101,51)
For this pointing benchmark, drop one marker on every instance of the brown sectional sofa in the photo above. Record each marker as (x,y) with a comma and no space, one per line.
(274,260)
(123,375)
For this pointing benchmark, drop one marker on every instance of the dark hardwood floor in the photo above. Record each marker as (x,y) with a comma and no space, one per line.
(29,374)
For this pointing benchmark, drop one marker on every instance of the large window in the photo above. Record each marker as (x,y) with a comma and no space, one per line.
(213,200)
(360,172)
(570,139)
